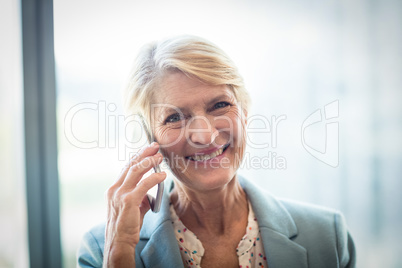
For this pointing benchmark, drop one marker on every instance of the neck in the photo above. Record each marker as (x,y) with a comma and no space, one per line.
(215,211)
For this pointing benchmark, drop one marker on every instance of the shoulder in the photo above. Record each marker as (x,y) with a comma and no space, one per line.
(321,231)
(321,228)
(90,252)
(293,217)
(305,214)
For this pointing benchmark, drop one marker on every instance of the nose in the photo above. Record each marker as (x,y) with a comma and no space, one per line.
(200,131)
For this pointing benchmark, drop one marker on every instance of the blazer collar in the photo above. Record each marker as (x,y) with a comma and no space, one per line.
(277,228)
(269,211)
(152,220)
(162,249)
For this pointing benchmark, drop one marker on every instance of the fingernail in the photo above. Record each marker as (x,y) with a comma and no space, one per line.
(154,144)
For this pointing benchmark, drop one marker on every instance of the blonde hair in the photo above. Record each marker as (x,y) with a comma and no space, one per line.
(194,56)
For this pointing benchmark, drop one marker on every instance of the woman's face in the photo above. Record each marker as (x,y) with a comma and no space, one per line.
(200,129)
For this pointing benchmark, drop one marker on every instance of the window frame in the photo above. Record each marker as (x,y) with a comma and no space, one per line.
(42,183)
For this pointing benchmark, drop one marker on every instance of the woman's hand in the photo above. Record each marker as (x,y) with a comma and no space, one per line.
(127,205)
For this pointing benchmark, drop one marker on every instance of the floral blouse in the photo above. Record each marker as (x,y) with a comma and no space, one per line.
(250,249)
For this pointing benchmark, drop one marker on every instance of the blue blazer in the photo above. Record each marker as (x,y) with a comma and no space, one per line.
(294,235)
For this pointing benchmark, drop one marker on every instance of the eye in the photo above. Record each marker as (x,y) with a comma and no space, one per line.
(173,118)
(220,105)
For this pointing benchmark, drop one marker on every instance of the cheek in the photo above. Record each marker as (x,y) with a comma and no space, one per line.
(233,126)
(169,140)
(172,142)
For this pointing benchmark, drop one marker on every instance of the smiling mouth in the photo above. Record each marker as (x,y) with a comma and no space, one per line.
(205,157)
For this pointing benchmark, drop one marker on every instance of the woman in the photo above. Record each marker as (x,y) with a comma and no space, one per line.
(195,102)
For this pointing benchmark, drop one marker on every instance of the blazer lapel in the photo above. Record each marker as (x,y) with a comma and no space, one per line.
(281,251)
(276,226)
(277,229)
(161,249)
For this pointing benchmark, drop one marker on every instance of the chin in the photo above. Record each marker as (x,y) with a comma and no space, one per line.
(207,181)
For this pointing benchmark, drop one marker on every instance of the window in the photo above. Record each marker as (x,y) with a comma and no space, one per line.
(13,220)
(336,61)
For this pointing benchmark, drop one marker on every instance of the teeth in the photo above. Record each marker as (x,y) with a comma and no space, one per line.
(206,156)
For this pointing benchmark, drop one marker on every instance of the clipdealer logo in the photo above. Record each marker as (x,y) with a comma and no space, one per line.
(113,132)
(330,122)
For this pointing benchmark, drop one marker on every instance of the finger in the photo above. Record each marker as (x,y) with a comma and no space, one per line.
(145,185)
(149,150)
(137,171)
(144,152)
(145,206)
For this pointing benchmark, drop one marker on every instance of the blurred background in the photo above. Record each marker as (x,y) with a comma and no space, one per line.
(339,61)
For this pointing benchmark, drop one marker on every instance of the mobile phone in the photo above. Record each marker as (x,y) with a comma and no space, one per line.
(155,194)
